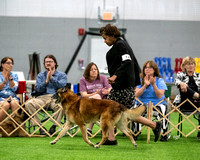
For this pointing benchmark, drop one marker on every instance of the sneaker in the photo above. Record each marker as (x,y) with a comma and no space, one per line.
(52,129)
(164,138)
(157,131)
(198,135)
(89,135)
(108,142)
(42,132)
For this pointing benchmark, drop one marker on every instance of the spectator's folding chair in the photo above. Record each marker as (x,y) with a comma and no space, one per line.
(152,113)
(185,114)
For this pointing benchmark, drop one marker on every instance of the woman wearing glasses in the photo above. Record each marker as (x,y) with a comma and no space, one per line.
(152,89)
(8,86)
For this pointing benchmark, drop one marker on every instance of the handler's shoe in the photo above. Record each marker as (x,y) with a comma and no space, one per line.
(134,137)
(108,142)
(52,129)
(157,131)
(164,138)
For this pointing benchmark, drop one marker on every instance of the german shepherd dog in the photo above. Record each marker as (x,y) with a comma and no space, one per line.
(81,111)
(10,125)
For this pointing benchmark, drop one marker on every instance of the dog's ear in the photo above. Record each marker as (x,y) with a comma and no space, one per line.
(68,85)
(65,89)
(19,111)
(61,90)
(22,114)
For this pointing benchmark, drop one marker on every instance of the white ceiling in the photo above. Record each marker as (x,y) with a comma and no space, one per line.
(128,9)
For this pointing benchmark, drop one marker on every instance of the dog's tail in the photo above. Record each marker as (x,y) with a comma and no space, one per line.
(133,113)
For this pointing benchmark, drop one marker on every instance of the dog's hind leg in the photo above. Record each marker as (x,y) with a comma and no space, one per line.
(123,127)
(127,132)
(84,134)
(68,124)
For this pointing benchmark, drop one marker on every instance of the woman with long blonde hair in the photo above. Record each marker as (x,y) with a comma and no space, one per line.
(188,83)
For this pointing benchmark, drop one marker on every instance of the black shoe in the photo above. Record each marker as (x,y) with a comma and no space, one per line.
(157,131)
(115,130)
(134,137)
(108,142)
(164,138)
(42,132)
(198,135)
(52,129)
(89,130)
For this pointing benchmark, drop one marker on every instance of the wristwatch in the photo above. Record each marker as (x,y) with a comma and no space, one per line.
(11,79)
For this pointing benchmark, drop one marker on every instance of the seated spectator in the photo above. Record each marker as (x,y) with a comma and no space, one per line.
(8,86)
(47,84)
(188,83)
(152,89)
(93,85)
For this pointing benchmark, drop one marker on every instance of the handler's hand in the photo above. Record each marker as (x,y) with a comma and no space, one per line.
(105,91)
(111,80)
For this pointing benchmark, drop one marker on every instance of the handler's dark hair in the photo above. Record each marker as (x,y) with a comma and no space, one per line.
(86,73)
(52,57)
(110,30)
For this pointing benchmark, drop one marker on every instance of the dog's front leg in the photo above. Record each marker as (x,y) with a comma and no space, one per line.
(84,135)
(62,133)
(105,131)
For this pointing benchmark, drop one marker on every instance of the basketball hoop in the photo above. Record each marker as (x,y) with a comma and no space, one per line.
(108,15)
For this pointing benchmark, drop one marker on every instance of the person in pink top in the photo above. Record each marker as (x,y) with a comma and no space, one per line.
(93,85)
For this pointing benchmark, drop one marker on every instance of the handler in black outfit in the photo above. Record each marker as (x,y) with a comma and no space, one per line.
(124,76)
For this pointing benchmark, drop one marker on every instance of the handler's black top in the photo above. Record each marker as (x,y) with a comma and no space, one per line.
(122,63)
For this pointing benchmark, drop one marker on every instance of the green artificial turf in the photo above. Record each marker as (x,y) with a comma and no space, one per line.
(76,149)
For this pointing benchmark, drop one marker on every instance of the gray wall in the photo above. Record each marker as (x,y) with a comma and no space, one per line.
(20,36)
(164,38)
